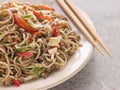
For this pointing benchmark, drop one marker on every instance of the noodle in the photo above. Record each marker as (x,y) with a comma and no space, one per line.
(34,42)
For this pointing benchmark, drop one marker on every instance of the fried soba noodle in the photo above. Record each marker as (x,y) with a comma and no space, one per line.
(34,42)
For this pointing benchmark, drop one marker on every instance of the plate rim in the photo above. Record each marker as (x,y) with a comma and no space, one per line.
(71,75)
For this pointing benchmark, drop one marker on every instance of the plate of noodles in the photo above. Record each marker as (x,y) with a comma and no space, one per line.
(38,47)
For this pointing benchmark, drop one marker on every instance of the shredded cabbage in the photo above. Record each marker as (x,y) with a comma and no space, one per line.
(54,41)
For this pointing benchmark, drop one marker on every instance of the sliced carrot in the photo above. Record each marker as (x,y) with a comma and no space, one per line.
(38,33)
(37,14)
(15,39)
(45,7)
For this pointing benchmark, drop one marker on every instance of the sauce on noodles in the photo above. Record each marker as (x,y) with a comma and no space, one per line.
(34,42)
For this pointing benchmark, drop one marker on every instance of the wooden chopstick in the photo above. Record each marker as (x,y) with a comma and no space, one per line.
(87,26)
(78,24)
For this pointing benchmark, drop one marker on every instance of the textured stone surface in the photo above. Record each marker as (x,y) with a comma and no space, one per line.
(101,73)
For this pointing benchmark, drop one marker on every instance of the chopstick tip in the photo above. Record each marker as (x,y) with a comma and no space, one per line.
(110,55)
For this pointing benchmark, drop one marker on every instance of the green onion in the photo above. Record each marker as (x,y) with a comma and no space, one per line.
(27,16)
(36,70)
(21,49)
(62,32)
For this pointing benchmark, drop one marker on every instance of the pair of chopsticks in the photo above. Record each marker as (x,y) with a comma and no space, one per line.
(83,26)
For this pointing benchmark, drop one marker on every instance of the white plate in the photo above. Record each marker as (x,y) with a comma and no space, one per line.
(75,64)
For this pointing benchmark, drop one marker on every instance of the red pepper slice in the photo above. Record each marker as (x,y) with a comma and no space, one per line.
(21,22)
(45,7)
(39,15)
(56,30)
(30,40)
(16,82)
(25,54)
(37,33)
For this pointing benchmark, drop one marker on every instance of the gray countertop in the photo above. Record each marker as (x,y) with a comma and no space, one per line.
(101,73)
